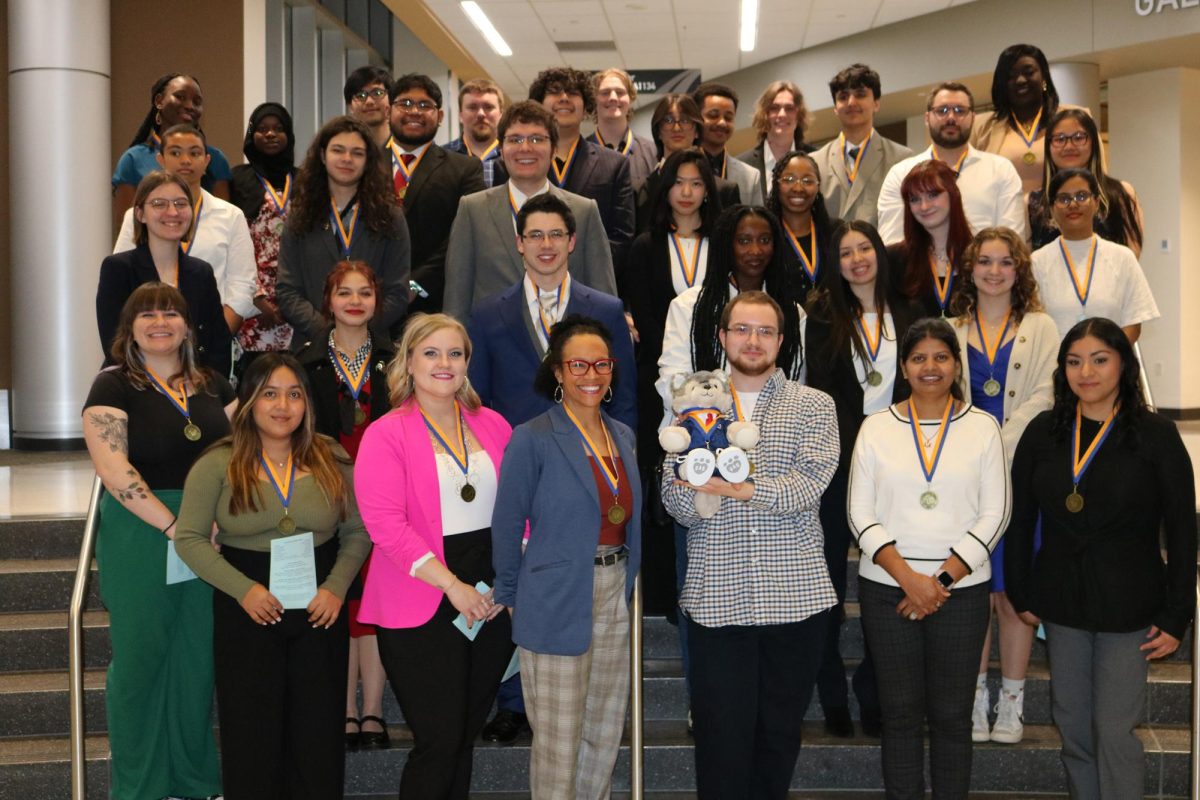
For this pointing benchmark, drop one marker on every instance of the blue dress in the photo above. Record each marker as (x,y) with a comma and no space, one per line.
(980,373)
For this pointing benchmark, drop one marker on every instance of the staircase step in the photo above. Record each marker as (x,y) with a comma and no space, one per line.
(22,537)
(43,585)
(37,640)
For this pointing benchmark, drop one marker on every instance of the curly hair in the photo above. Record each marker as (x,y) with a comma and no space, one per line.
(931,176)
(1129,386)
(707,352)
(1024,292)
(819,212)
(545,382)
(565,79)
(310,201)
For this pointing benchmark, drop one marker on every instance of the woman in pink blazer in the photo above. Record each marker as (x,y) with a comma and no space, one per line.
(425,480)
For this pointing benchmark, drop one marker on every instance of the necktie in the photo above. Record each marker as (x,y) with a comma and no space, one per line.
(851,154)
(398,180)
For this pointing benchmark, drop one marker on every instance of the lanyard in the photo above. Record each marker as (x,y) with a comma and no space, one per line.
(811,266)
(559,176)
(687,269)
(278,199)
(345,236)
(1083,288)
(930,459)
(941,287)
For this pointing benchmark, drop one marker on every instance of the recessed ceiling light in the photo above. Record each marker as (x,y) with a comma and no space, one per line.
(480,20)
(749,25)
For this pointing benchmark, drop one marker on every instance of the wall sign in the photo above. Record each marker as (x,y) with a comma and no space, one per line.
(1145,8)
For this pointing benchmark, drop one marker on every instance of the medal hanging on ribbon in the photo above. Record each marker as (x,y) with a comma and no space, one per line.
(192,231)
(484,155)
(559,176)
(283,488)
(1029,135)
(874,376)
(345,236)
(625,145)
(929,460)
(687,267)
(461,458)
(1080,464)
(547,324)
(1083,288)
(957,164)
(853,173)
(278,199)
(191,431)
(941,286)
(612,477)
(991,387)
(811,266)
(353,382)
(405,169)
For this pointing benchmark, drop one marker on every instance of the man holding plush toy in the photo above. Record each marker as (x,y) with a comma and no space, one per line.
(757,591)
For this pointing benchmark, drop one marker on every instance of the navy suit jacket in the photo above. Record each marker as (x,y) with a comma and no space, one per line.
(504,359)
(547,480)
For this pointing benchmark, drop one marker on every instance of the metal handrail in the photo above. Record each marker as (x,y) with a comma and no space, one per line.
(637,778)
(75,643)
(1147,395)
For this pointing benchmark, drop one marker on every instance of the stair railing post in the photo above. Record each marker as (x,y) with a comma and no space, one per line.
(637,778)
(75,644)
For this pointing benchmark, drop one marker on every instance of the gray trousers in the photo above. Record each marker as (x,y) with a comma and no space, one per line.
(1098,692)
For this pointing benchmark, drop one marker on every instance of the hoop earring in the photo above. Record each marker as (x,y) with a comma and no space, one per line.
(558,393)
(608,395)
(158,118)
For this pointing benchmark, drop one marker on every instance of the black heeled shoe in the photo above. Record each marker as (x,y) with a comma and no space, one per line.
(352,737)
(374,740)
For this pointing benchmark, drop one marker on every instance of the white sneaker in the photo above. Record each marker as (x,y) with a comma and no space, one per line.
(979,715)
(1009,727)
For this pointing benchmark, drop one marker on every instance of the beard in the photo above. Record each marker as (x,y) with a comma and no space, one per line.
(949,141)
(751,369)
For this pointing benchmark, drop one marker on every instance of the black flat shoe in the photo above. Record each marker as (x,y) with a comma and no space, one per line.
(352,737)
(871,724)
(374,740)
(505,727)
(838,722)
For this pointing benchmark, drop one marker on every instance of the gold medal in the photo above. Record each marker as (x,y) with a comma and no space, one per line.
(360,416)
(286,525)
(191,432)
(874,378)
(929,500)
(1029,158)
(1074,502)
(1080,463)
(991,387)
(467,493)
(616,514)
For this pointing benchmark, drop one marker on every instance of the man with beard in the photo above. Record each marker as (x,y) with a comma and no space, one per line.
(429,181)
(990,186)
(480,104)
(757,595)
(366,93)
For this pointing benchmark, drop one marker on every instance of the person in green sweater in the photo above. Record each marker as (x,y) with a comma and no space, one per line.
(280,498)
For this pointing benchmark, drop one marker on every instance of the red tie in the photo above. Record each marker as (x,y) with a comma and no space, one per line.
(398,180)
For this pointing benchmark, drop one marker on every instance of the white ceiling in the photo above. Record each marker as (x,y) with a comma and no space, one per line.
(660,34)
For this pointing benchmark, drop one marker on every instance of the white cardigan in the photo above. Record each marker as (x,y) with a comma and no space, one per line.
(971,482)
(1029,382)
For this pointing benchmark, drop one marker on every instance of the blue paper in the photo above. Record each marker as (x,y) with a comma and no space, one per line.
(514,667)
(460,621)
(177,571)
(293,570)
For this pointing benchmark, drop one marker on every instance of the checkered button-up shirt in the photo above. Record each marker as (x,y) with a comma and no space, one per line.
(761,561)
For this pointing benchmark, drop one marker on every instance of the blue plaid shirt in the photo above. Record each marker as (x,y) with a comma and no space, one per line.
(489,164)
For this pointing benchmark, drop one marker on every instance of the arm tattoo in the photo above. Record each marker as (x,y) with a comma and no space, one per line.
(114,431)
(136,490)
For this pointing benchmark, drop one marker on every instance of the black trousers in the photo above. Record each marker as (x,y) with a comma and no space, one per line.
(281,694)
(926,673)
(446,683)
(750,688)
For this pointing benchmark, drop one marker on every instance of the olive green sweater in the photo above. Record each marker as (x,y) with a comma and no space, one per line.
(206,498)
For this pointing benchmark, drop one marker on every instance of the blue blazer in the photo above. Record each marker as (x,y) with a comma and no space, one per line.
(547,480)
(504,359)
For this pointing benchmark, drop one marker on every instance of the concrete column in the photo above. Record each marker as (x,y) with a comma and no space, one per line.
(918,136)
(1078,84)
(333,73)
(59,198)
(306,118)
(1158,108)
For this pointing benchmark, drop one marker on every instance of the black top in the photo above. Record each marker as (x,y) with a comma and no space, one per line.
(727,192)
(157,447)
(1101,569)
(927,303)
(827,261)
(1111,226)
(333,405)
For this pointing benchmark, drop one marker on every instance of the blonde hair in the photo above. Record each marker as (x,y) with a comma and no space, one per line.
(482,86)
(623,77)
(760,122)
(419,328)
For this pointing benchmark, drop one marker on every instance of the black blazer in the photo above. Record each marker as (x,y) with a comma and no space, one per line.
(430,203)
(827,260)
(641,156)
(327,387)
(837,378)
(121,273)
(756,159)
(603,175)
(927,303)
(727,193)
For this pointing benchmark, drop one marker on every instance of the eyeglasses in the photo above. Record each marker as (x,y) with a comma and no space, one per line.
(375,94)
(1064,199)
(162,204)
(580,366)
(676,122)
(408,104)
(1078,138)
(941,112)
(537,237)
(806,180)
(536,140)
(745,331)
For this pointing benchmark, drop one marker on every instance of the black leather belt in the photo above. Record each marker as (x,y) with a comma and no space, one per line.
(611,558)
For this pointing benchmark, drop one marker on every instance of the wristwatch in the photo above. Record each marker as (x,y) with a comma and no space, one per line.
(945,579)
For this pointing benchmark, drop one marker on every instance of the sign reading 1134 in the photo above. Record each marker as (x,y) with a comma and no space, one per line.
(1145,8)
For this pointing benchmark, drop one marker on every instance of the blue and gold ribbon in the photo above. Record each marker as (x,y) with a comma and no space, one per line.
(688,270)
(461,458)
(559,176)
(625,145)
(1080,464)
(853,173)
(187,245)
(1082,288)
(278,199)
(345,237)
(929,460)
(811,266)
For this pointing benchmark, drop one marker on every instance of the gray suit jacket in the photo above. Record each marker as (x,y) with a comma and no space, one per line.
(482,257)
(859,200)
(747,178)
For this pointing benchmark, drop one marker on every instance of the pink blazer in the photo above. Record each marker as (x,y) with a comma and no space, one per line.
(396,485)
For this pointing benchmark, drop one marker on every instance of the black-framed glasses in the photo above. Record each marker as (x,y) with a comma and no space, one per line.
(677,122)
(941,112)
(1078,138)
(580,366)
(408,104)
(374,94)
(1064,199)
